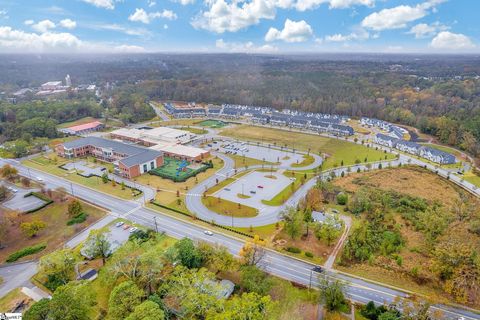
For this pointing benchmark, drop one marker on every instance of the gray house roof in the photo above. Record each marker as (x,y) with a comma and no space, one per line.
(135,154)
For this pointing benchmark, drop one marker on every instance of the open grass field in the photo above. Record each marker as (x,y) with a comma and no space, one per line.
(167,189)
(194,130)
(50,163)
(413,181)
(54,234)
(210,123)
(228,208)
(336,150)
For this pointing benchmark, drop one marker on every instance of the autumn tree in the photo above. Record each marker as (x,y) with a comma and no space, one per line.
(293,222)
(74,208)
(31,229)
(252,252)
(123,300)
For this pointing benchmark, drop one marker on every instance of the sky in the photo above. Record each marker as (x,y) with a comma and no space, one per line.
(252,26)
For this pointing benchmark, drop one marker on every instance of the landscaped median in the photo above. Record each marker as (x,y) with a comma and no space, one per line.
(228,208)
(51,164)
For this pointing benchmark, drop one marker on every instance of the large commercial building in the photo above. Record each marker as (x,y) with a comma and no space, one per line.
(83,128)
(129,161)
(167,140)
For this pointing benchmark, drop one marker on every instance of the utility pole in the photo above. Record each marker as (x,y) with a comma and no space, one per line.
(156,226)
(71,189)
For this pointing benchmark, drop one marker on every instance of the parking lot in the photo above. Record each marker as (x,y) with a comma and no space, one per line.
(19,202)
(87,169)
(255,186)
(285,158)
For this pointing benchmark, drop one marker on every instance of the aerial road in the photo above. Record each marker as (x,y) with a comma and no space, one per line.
(274,263)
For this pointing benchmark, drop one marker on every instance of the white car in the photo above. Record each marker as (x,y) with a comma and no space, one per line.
(208,232)
(39,179)
(132,229)
(119,224)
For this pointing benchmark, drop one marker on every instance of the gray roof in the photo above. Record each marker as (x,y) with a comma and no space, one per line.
(385,137)
(409,144)
(135,154)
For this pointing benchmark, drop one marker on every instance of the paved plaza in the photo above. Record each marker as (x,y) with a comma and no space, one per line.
(257,186)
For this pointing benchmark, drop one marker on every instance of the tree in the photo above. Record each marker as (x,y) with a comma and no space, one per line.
(105,177)
(60,263)
(217,258)
(4,229)
(123,300)
(31,229)
(8,172)
(331,294)
(74,208)
(255,280)
(71,302)
(342,198)
(147,310)
(188,255)
(247,306)
(98,245)
(3,193)
(38,311)
(293,222)
(328,230)
(252,252)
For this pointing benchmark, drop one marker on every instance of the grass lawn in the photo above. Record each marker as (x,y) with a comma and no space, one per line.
(307,160)
(336,150)
(265,232)
(174,122)
(10,300)
(212,123)
(76,122)
(472,178)
(241,161)
(54,234)
(194,130)
(50,165)
(228,208)
(167,189)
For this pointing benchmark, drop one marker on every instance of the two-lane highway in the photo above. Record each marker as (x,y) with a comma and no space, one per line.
(274,263)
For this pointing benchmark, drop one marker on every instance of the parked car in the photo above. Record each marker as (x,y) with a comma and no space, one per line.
(253,192)
(317,269)
(260,187)
(119,224)
(132,229)
(126,226)
(39,179)
(208,232)
(226,189)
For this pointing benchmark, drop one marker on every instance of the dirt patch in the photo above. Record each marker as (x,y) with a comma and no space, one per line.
(271,177)
(416,182)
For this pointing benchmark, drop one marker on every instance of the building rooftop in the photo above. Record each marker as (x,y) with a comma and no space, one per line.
(85,126)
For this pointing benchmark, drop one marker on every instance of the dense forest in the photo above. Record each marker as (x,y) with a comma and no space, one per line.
(437,94)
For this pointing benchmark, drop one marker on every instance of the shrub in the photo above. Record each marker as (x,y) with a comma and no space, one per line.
(293,249)
(78,219)
(25,252)
(308,254)
(342,198)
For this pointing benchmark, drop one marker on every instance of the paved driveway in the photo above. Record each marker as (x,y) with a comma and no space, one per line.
(286,158)
(18,202)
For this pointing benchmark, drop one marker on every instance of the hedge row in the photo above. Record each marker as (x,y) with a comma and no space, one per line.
(41,197)
(25,252)
(210,222)
(78,219)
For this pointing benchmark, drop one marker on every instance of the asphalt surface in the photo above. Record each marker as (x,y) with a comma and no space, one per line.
(275,263)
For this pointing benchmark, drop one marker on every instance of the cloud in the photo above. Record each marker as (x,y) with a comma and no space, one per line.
(234,16)
(398,17)
(357,34)
(69,24)
(447,40)
(106,4)
(185,2)
(29,22)
(151,3)
(246,47)
(303,5)
(43,26)
(116,27)
(4,14)
(423,30)
(293,31)
(18,40)
(141,15)
(129,49)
